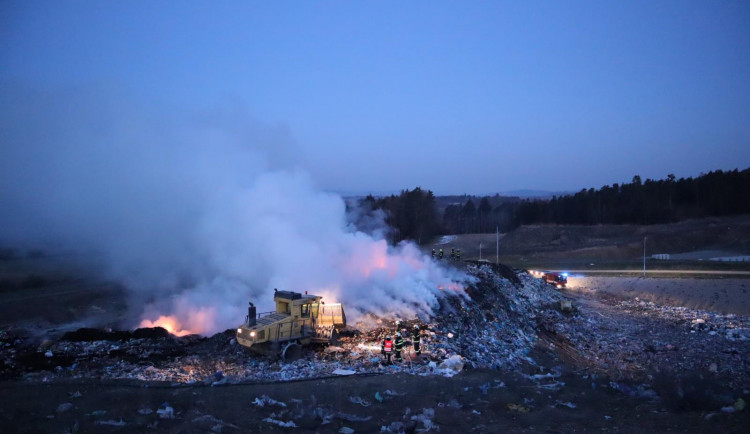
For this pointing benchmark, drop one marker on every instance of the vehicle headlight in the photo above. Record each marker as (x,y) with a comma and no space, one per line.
(239,331)
(252,334)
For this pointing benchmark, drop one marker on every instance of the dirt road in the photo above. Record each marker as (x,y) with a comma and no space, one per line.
(662,272)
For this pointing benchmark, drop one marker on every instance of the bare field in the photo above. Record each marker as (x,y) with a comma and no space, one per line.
(726,296)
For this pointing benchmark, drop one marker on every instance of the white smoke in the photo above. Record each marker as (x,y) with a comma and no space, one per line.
(197,214)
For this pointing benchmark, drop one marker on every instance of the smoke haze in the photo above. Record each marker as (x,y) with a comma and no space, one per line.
(195,213)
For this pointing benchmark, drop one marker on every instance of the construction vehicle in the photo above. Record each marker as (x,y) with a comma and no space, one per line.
(299,319)
(559,280)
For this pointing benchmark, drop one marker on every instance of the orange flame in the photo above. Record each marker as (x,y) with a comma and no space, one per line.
(170,323)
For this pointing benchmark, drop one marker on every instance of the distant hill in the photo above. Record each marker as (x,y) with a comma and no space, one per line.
(540,194)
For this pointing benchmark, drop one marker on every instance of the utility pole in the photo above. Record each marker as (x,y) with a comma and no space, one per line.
(644,256)
(480,251)
(497,244)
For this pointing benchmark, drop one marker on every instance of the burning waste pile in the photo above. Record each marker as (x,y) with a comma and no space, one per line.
(491,325)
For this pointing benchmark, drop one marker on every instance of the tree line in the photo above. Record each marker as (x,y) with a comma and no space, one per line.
(415,215)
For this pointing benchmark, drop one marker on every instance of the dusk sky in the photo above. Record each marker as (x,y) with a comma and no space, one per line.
(457,97)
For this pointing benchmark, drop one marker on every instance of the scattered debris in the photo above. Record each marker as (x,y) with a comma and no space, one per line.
(166,412)
(425,418)
(289,424)
(62,408)
(265,400)
(358,400)
(111,422)
(517,407)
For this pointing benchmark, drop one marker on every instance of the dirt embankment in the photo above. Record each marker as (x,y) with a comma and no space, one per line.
(607,243)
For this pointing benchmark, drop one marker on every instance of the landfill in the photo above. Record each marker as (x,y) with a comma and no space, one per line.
(503,315)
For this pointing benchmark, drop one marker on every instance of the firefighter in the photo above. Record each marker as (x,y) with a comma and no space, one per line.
(440,255)
(415,339)
(433,253)
(453,254)
(398,327)
(399,346)
(387,349)
(458,254)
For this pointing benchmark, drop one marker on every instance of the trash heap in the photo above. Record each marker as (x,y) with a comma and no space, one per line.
(639,340)
(496,326)
(491,326)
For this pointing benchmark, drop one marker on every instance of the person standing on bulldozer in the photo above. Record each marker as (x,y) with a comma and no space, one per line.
(399,346)
(415,340)
(387,349)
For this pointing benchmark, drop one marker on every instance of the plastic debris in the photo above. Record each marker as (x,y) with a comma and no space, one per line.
(166,412)
(111,422)
(346,430)
(358,400)
(289,424)
(517,407)
(484,388)
(451,366)
(343,372)
(739,405)
(425,417)
(378,397)
(266,400)
(62,408)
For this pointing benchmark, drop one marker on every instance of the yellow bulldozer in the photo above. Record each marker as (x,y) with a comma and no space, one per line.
(299,319)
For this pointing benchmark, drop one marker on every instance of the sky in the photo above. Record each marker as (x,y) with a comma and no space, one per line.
(456,97)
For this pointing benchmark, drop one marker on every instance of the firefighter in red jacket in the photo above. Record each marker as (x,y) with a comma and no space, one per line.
(387,349)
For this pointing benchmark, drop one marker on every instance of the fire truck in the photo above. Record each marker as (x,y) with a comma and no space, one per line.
(559,280)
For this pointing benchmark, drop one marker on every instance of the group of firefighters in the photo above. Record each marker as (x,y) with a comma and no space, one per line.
(395,346)
(455,254)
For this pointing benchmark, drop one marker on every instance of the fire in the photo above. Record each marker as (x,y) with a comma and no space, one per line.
(187,320)
(170,323)
(451,287)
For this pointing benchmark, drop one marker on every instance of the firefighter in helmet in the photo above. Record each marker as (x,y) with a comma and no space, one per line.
(387,349)
(458,254)
(440,255)
(398,346)
(415,339)
(398,327)
(433,253)
(453,254)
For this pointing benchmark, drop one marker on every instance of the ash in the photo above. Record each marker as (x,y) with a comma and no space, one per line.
(503,320)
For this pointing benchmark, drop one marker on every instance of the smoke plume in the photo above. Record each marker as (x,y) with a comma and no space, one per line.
(195,213)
